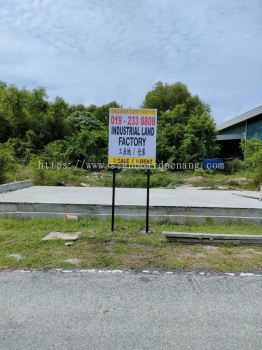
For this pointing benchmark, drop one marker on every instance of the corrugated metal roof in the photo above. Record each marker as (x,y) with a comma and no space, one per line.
(242,117)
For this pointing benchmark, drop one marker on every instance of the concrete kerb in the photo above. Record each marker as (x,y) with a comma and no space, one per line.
(129,210)
(176,219)
(13,186)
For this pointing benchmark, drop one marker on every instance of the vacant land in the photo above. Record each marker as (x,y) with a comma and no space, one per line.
(128,247)
(134,178)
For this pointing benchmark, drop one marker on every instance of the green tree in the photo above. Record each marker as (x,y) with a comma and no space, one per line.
(165,97)
(13,105)
(40,118)
(88,145)
(101,113)
(79,119)
(186,130)
(57,122)
(5,130)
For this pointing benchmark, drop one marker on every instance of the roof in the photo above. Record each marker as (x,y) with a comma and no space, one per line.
(225,137)
(241,118)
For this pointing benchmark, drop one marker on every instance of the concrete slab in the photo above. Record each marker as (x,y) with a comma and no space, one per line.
(72,236)
(211,238)
(183,205)
(182,196)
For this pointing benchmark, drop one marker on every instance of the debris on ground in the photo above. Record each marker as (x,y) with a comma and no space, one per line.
(16,256)
(69,243)
(95,174)
(61,183)
(118,227)
(82,184)
(68,217)
(72,261)
(237,181)
(223,187)
(194,180)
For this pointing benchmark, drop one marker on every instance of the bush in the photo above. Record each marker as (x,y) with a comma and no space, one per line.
(88,145)
(7,162)
(160,180)
(138,178)
(253,159)
(199,172)
(22,150)
(44,174)
(55,151)
(235,166)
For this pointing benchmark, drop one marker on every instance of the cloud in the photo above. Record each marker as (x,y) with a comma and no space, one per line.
(96,51)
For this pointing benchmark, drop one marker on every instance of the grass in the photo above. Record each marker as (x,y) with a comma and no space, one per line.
(126,248)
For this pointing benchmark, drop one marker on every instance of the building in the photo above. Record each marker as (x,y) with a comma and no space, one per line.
(243,127)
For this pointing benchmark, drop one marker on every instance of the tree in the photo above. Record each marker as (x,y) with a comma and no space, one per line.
(40,118)
(88,145)
(31,124)
(57,121)
(166,97)
(101,113)
(79,119)
(5,130)
(186,130)
(14,106)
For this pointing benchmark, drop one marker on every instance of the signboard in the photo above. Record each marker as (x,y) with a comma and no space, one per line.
(213,163)
(132,138)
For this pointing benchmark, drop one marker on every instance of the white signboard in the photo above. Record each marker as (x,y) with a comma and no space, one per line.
(132,137)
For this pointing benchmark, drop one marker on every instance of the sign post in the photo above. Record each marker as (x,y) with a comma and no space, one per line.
(132,144)
(147,198)
(113,200)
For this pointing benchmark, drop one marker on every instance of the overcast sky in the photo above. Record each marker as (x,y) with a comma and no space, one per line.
(96,51)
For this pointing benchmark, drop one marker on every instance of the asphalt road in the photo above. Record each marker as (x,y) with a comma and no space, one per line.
(106,310)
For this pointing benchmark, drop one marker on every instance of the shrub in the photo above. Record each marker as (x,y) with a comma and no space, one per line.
(55,151)
(199,172)
(7,162)
(160,180)
(253,159)
(235,166)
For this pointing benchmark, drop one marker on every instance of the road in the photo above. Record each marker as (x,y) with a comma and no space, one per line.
(119,310)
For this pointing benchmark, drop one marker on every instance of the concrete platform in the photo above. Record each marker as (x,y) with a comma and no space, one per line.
(182,205)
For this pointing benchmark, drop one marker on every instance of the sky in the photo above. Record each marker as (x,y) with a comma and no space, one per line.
(97,51)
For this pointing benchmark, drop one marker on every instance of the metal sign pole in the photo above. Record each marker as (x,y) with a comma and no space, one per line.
(147,198)
(113,200)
